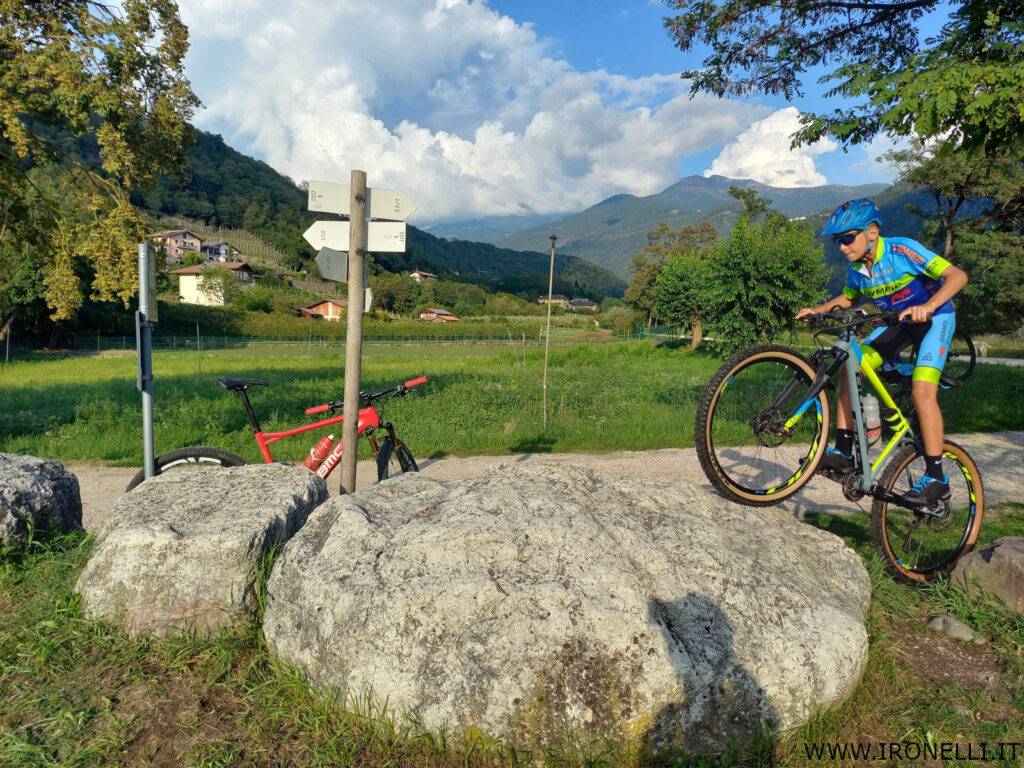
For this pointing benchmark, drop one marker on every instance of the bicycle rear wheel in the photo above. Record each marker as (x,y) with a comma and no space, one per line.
(962,357)
(394,459)
(740,440)
(195,457)
(919,545)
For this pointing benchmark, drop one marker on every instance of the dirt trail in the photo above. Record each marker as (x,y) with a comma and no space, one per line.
(999,455)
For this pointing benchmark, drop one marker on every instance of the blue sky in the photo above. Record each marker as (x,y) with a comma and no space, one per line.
(488,108)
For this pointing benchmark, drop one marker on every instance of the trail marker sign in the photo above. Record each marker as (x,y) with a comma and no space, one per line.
(389,204)
(381,236)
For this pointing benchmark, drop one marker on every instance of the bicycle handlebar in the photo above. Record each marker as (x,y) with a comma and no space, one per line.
(365,399)
(840,320)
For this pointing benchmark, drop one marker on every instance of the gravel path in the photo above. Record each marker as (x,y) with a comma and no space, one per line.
(999,455)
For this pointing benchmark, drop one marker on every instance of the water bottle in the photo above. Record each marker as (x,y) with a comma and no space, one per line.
(872,418)
(319,452)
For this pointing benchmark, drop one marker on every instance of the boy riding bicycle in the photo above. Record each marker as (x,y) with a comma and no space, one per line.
(896,273)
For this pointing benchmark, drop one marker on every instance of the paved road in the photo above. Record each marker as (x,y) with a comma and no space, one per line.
(999,455)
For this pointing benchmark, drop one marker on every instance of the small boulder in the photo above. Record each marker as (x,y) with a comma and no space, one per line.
(948,625)
(543,600)
(182,551)
(996,568)
(36,493)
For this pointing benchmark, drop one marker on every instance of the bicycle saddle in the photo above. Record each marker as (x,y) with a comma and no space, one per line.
(239,385)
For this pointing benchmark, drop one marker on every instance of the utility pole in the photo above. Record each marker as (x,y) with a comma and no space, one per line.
(354,330)
(547,337)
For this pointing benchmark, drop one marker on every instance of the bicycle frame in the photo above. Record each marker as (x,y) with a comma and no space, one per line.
(849,356)
(369,419)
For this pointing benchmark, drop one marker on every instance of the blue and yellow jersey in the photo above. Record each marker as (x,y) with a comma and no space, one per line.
(905,274)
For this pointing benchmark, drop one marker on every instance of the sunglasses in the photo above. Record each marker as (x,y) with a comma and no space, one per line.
(846,238)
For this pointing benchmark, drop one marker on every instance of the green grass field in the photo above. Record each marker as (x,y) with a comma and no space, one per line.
(481,399)
(73,692)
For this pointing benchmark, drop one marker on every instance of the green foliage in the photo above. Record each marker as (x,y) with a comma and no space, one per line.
(662,243)
(111,79)
(255,299)
(621,320)
(757,280)
(979,219)
(754,205)
(223,188)
(679,292)
(967,80)
(993,300)
(220,283)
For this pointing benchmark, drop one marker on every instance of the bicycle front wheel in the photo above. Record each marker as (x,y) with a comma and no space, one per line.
(921,544)
(187,459)
(394,459)
(743,445)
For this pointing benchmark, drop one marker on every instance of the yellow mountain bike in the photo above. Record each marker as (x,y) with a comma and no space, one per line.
(763,423)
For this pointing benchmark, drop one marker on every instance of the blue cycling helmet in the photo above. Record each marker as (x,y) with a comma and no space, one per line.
(853,214)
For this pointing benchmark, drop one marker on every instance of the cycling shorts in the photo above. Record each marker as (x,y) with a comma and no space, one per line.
(931,339)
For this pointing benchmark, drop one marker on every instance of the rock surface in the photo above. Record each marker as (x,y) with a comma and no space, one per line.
(181,552)
(541,600)
(997,569)
(953,627)
(39,493)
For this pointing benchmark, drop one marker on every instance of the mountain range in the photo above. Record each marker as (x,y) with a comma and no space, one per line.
(609,233)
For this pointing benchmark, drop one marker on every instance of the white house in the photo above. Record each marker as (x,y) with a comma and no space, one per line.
(189,279)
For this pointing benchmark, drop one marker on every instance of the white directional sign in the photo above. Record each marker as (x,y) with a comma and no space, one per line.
(367,301)
(390,204)
(381,236)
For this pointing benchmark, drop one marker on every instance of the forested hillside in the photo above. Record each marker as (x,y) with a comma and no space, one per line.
(223,187)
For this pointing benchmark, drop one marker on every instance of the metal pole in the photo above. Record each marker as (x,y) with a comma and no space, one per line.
(354,330)
(146,362)
(547,338)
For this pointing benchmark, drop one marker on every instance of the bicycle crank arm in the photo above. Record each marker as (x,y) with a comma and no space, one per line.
(900,501)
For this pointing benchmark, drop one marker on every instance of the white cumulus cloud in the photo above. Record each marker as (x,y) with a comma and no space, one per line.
(449,100)
(762,153)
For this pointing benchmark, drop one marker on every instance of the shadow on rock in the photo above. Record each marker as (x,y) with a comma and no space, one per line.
(724,707)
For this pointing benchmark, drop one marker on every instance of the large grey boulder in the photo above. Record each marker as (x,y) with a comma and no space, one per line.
(181,552)
(996,568)
(37,493)
(540,600)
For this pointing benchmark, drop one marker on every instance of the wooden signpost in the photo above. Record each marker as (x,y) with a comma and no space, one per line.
(341,255)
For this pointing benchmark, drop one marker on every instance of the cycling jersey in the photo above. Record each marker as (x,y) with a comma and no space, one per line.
(904,274)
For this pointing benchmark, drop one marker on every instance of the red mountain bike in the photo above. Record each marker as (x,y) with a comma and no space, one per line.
(393,457)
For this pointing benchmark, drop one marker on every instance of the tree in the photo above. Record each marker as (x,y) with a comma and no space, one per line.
(78,79)
(754,206)
(221,284)
(679,293)
(951,176)
(647,265)
(965,81)
(395,292)
(987,241)
(755,281)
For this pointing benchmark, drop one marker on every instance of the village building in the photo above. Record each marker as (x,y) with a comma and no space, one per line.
(328,309)
(220,250)
(422,276)
(175,243)
(557,300)
(438,316)
(189,282)
(583,305)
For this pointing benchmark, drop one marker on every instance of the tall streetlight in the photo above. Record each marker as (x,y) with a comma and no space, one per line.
(547,337)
